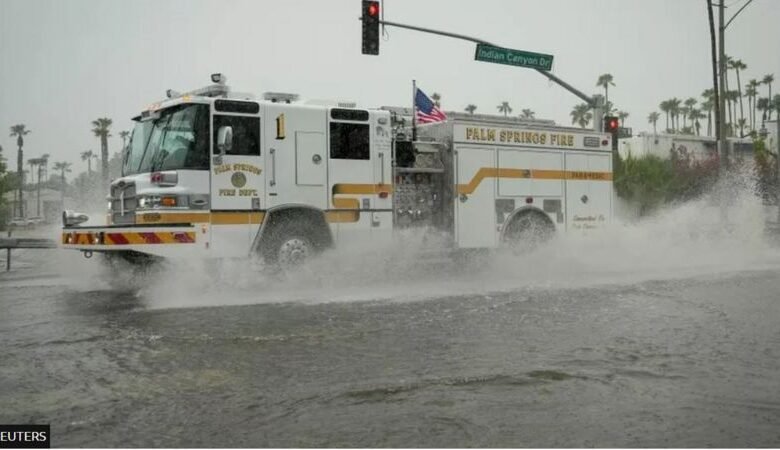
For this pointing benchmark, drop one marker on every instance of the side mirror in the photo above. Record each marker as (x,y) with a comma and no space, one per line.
(224,139)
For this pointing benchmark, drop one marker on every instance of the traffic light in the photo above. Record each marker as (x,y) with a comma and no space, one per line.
(370,20)
(611,124)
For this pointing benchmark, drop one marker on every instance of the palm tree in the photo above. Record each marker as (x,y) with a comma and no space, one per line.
(751,90)
(737,66)
(471,108)
(19,132)
(45,164)
(622,115)
(731,98)
(102,129)
(653,119)
(124,135)
(674,109)
(62,167)
(87,156)
(36,163)
(763,104)
(689,103)
(505,108)
(34,168)
(605,80)
(695,115)
(708,105)
(527,114)
(666,108)
(775,104)
(581,115)
(436,97)
(767,80)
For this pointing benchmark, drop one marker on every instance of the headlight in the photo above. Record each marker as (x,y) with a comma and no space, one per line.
(161,201)
(72,218)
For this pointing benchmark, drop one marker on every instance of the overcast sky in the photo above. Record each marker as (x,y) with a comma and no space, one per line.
(64,63)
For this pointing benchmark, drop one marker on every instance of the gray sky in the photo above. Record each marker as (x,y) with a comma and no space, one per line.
(64,63)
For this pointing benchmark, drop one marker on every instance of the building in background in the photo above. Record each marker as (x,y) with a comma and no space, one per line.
(695,147)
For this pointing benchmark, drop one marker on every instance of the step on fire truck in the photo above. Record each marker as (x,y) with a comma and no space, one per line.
(213,173)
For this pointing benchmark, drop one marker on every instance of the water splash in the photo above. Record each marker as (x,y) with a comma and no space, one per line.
(718,233)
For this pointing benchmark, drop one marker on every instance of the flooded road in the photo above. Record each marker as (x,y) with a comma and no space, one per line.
(690,360)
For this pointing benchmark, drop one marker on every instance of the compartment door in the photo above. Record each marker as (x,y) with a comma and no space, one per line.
(475,222)
(588,191)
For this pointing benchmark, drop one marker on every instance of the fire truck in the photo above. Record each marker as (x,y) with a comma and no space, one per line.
(217,174)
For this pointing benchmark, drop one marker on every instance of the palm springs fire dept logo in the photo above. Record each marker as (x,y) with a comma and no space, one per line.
(238,179)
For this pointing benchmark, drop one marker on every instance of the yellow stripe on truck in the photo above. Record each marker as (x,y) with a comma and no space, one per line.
(492,172)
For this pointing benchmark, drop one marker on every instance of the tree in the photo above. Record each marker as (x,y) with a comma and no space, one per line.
(674,109)
(751,90)
(87,156)
(581,115)
(708,105)
(767,80)
(666,108)
(653,119)
(471,108)
(737,66)
(19,132)
(689,103)
(527,114)
(102,129)
(622,115)
(436,97)
(124,135)
(605,80)
(731,98)
(62,167)
(695,115)
(505,108)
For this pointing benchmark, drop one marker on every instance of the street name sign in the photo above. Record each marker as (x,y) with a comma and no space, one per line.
(510,57)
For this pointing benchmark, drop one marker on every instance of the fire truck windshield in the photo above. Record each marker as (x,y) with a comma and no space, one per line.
(177,139)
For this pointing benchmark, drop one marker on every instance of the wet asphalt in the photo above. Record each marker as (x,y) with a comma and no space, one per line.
(690,361)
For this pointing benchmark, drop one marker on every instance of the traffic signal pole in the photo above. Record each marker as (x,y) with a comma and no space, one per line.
(598,111)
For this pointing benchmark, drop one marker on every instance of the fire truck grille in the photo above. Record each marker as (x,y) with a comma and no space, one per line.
(123,204)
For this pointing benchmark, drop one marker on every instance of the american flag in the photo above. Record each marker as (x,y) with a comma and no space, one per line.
(425,110)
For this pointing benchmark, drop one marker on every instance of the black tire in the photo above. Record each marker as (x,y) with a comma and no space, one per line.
(288,246)
(528,231)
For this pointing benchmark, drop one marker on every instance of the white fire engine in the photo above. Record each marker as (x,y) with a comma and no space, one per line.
(212,173)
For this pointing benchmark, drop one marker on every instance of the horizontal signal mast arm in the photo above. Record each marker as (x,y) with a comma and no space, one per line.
(589,100)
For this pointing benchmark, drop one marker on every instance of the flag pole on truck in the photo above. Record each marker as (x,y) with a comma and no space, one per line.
(414,110)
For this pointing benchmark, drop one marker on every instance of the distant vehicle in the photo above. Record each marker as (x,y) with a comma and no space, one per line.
(212,173)
(25,222)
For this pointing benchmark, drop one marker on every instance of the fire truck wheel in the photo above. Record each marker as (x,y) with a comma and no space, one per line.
(528,231)
(289,247)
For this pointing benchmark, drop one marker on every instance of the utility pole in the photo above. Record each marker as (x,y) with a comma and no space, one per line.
(722,142)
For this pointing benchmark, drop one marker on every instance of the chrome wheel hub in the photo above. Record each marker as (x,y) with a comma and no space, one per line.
(294,252)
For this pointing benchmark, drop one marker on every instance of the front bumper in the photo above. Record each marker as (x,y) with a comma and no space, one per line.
(173,241)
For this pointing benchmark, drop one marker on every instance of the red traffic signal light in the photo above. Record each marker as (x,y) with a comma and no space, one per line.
(373,9)
(370,18)
(611,124)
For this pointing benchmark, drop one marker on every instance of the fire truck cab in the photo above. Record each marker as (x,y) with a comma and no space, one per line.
(216,174)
